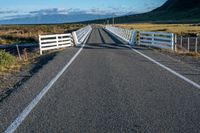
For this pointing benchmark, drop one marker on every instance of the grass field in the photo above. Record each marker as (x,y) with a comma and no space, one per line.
(179,29)
(11,64)
(14,34)
(10,34)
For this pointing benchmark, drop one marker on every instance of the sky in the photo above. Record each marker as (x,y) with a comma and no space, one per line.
(21,8)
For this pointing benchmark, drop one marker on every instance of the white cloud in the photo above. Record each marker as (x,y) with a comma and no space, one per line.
(70,11)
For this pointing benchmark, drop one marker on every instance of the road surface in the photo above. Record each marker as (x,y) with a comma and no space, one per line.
(108,88)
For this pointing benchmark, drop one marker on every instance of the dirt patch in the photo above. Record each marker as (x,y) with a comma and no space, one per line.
(192,59)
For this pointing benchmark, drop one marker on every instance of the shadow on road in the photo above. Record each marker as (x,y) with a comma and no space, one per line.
(105,41)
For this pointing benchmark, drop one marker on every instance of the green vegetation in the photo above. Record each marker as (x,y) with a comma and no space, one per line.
(10,34)
(10,64)
(6,60)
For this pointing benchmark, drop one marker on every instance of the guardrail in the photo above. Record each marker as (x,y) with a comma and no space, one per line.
(80,35)
(157,39)
(125,34)
(49,42)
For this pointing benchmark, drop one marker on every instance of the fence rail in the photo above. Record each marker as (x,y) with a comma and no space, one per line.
(189,44)
(157,39)
(81,34)
(125,34)
(49,42)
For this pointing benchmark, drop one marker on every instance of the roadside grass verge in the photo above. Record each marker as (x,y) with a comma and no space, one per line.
(10,64)
(178,29)
(14,75)
(180,52)
(7,60)
(191,54)
(12,34)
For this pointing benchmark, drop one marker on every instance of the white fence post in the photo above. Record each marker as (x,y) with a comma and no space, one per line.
(152,43)
(138,38)
(172,41)
(196,48)
(133,38)
(181,41)
(175,43)
(57,41)
(188,44)
(75,38)
(40,44)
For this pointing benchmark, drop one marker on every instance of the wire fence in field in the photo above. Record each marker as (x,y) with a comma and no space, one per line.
(18,50)
(189,44)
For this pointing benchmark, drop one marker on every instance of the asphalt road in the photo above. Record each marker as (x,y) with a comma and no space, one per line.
(109,88)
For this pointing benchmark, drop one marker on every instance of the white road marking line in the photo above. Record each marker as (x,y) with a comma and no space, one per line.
(22,116)
(167,68)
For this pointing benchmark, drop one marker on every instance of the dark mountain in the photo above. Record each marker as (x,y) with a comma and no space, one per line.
(172,11)
(179,5)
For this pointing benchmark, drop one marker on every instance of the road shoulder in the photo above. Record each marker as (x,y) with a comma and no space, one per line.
(21,97)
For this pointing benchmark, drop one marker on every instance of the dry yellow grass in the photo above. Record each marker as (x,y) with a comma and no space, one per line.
(29,33)
(179,29)
(26,59)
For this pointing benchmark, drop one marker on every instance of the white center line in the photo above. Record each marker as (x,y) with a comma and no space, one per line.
(167,68)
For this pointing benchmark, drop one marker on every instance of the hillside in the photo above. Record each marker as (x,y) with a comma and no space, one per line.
(179,5)
(173,11)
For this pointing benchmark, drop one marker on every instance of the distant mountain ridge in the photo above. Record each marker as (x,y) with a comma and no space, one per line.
(172,11)
(179,5)
(55,18)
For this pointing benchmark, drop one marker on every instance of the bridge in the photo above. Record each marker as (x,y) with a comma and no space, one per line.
(106,84)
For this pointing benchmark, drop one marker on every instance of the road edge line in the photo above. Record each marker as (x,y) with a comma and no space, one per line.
(167,68)
(22,116)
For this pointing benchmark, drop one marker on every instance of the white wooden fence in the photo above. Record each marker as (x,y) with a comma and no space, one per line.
(49,42)
(157,39)
(56,41)
(125,34)
(81,34)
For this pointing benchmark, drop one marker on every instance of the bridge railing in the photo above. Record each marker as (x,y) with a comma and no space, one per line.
(56,41)
(155,39)
(80,35)
(125,34)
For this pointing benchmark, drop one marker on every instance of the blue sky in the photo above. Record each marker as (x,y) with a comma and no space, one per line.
(19,8)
